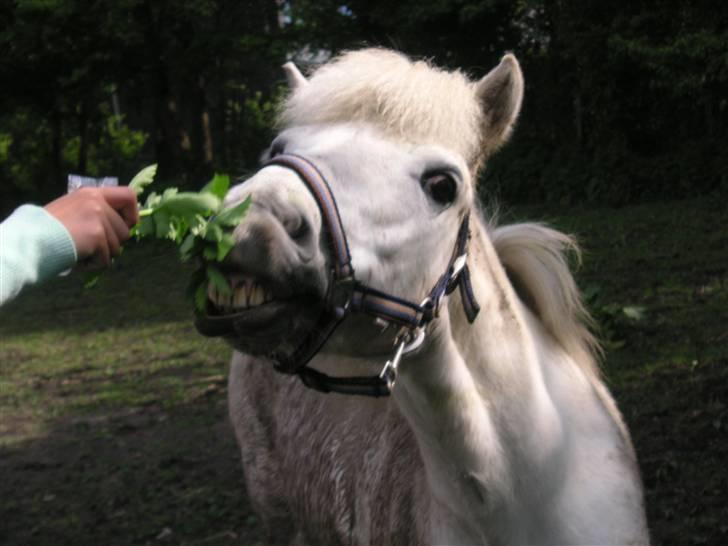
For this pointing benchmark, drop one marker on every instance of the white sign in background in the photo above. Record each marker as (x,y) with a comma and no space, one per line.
(76,181)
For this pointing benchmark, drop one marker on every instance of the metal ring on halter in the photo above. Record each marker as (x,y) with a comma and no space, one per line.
(416,342)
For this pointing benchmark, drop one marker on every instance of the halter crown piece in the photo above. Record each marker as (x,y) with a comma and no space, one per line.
(346,295)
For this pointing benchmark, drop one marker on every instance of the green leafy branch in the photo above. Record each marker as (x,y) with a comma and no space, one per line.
(196,222)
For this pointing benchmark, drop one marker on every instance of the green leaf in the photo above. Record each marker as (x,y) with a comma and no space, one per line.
(92,280)
(153,200)
(161,224)
(634,312)
(214,233)
(186,247)
(198,225)
(189,204)
(224,246)
(218,279)
(195,222)
(145,226)
(169,192)
(209,253)
(142,179)
(178,228)
(232,216)
(218,186)
(200,296)
(198,277)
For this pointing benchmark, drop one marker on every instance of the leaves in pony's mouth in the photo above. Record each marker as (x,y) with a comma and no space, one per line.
(196,222)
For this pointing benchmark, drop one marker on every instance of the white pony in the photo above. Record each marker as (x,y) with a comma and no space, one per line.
(498,431)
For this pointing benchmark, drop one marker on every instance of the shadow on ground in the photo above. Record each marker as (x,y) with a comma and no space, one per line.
(139,476)
(678,420)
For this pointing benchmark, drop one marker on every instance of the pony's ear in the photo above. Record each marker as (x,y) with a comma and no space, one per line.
(295,79)
(500,94)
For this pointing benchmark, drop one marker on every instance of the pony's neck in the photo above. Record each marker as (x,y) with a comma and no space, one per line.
(478,404)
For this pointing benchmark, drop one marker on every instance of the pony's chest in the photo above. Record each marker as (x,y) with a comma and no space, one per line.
(343,470)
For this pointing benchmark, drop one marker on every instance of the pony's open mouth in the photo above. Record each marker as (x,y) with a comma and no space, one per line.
(258,316)
(246,294)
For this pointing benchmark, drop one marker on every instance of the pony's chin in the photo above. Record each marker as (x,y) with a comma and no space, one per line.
(265,329)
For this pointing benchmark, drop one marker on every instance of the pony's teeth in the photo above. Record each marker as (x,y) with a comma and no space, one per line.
(256,296)
(239,300)
(247,293)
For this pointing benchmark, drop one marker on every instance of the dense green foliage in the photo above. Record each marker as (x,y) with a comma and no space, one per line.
(102,88)
(625,100)
(197,222)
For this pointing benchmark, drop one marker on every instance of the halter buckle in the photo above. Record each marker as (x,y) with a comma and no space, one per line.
(340,295)
(458,265)
(407,342)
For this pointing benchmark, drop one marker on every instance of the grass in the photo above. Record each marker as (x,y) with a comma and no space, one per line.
(114,427)
(114,421)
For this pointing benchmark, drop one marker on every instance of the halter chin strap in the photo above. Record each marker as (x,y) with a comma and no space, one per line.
(347,295)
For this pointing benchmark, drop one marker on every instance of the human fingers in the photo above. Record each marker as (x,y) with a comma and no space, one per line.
(112,241)
(123,200)
(101,256)
(117,222)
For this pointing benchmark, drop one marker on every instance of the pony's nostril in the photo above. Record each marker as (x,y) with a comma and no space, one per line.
(298,227)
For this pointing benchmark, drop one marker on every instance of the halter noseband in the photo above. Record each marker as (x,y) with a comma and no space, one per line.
(346,295)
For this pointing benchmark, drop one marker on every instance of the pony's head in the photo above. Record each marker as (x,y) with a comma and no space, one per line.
(400,144)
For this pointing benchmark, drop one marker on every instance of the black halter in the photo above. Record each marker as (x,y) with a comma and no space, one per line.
(346,295)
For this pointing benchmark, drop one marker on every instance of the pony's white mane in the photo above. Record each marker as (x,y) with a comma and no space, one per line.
(535,258)
(410,101)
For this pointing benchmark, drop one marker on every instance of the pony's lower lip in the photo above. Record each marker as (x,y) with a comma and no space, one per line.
(260,329)
(253,318)
(259,310)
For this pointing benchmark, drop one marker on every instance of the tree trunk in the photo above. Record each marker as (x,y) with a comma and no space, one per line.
(709,114)
(206,144)
(81,166)
(578,118)
(207,138)
(57,179)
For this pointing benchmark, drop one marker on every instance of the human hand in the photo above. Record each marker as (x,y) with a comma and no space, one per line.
(98,220)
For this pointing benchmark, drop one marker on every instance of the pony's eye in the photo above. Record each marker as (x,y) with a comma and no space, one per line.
(441,187)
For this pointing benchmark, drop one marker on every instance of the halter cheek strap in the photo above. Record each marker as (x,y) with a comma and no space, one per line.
(319,188)
(347,295)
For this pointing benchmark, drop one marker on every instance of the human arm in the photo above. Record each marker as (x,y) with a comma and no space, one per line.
(38,243)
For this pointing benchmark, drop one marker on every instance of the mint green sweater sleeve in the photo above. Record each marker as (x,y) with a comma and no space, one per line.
(34,246)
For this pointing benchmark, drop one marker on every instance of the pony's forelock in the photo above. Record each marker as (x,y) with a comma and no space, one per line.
(409,101)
